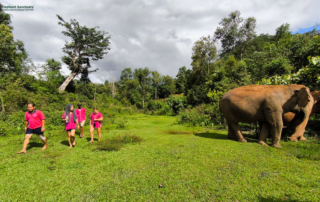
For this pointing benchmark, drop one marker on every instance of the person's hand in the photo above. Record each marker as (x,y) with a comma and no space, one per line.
(25,129)
(78,126)
(43,129)
(95,119)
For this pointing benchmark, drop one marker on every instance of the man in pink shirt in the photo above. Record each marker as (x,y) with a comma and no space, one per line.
(81,114)
(34,124)
(96,118)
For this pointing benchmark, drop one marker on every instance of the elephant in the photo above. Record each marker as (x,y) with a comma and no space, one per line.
(263,104)
(297,121)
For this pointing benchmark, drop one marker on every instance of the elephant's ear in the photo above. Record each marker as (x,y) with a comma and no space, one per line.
(303,97)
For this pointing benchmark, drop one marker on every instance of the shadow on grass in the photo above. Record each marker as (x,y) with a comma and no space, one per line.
(34,144)
(274,199)
(65,142)
(218,136)
(89,139)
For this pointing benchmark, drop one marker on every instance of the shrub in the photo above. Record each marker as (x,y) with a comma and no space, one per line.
(122,123)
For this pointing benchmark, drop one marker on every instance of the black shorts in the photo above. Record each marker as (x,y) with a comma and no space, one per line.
(36,131)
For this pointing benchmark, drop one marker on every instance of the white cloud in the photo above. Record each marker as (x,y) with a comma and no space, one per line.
(154,34)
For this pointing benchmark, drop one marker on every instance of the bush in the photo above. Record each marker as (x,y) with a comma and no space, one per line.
(194,118)
(121,123)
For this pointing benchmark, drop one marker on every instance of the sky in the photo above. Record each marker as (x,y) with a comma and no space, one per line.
(147,33)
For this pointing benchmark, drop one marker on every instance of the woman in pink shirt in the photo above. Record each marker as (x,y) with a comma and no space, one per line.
(96,118)
(71,120)
(81,114)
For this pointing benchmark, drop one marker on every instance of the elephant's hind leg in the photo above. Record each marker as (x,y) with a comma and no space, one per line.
(234,126)
(264,134)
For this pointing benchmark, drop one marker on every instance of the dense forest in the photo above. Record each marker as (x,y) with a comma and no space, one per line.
(244,58)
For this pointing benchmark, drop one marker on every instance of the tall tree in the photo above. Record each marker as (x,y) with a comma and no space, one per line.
(181,80)
(126,74)
(87,44)
(5,18)
(13,56)
(142,75)
(235,31)
(204,52)
(156,79)
(166,87)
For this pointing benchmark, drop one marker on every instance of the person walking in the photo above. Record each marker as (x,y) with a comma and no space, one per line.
(96,119)
(71,121)
(34,124)
(81,114)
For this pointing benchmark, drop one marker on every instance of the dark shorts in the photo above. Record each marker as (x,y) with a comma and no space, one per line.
(36,131)
(71,129)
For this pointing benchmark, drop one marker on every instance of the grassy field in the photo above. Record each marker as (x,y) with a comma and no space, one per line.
(172,163)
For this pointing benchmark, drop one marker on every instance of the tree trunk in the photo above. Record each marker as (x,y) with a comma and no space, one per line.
(113,88)
(143,99)
(2,106)
(155,95)
(95,90)
(66,82)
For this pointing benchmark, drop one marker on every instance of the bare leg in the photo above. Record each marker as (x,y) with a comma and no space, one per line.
(44,140)
(81,131)
(69,139)
(99,133)
(91,133)
(25,144)
(73,137)
(263,133)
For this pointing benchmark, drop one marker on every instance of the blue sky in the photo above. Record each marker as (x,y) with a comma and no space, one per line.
(304,30)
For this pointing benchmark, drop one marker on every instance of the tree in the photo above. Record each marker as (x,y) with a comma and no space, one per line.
(142,76)
(53,65)
(6,47)
(126,74)
(181,80)
(156,79)
(166,87)
(87,44)
(203,54)
(12,53)
(5,18)
(235,32)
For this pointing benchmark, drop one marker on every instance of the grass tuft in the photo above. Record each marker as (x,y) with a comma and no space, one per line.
(305,150)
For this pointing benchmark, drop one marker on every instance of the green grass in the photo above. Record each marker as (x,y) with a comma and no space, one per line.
(201,165)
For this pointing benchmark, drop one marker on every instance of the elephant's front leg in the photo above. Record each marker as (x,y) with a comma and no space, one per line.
(264,132)
(275,123)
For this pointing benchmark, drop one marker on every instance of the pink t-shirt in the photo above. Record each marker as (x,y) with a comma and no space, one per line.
(96,116)
(34,119)
(81,114)
(70,125)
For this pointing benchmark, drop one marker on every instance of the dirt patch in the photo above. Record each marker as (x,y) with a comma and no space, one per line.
(176,132)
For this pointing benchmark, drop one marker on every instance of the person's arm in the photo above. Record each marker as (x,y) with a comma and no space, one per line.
(99,119)
(90,121)
(64,118)
(43,123)
(26,126)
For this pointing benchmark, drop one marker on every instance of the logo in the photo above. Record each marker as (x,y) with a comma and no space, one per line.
(17,8)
